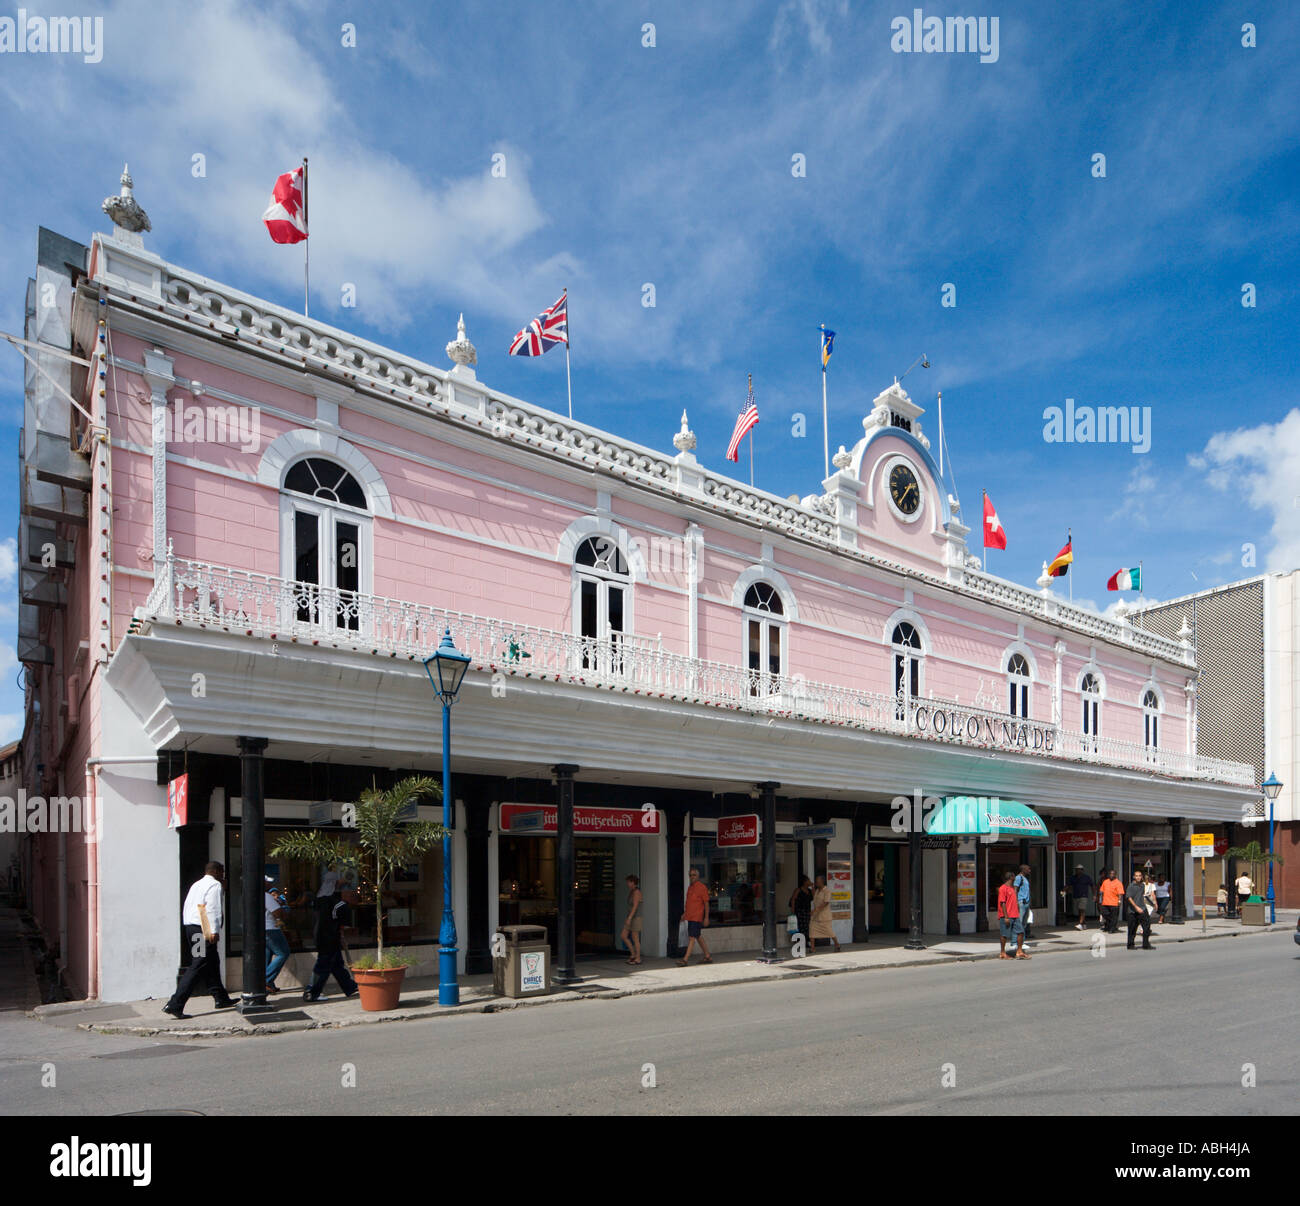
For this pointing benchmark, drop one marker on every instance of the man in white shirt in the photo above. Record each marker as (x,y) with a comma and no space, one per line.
(202,919)
(1245,887)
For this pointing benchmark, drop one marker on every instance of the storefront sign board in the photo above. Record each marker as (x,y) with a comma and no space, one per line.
(738,831)
(588,819)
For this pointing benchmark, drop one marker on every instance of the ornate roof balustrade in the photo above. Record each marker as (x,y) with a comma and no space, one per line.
(199,594)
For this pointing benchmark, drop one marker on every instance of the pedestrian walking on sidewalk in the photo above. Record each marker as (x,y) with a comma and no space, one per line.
(632,926)
(821,915)
(1163,896)
(1021,885)
(696,916)
(1112,894)
(801,905)
(1222,897)
(1081,890)
(277,944)
(1245,889)
(201,920)
(1009,927)
(332,915)
(1138,913)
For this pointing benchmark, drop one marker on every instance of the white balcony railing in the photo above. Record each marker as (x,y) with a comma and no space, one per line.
(261,605)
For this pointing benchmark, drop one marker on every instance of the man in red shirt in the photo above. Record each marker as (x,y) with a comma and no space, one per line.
(696,917)
(1009,923)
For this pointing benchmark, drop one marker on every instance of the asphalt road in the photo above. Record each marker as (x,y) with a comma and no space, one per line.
(1171,1031)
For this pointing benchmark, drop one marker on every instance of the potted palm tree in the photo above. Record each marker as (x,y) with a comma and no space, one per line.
(385,842)
(1254,854)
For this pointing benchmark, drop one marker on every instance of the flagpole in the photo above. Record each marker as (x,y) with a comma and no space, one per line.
(826,446)
(941,482)
(1069,539)
(306,243)
(984,523)
(751,457)
(568,379)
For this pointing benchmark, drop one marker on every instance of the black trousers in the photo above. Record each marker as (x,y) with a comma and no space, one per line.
(1110,918)
(331,963)
(1136,919)
(204,966)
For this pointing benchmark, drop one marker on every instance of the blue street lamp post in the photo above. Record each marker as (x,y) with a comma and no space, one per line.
(446,668)
(1272,787)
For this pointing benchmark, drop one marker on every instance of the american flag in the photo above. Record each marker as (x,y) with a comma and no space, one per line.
(549,328)
(745,422)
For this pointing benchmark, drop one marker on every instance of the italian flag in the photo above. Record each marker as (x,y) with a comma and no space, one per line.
(1126,579)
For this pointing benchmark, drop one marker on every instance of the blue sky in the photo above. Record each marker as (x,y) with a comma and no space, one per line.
(670,165)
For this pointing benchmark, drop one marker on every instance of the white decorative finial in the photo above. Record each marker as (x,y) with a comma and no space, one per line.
(125,210)
(1044,579)
(1185,634)
(461,351)
(684,440)
(1121,610)
(842,459)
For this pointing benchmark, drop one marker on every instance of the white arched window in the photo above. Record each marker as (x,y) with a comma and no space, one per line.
(1091,690)
(764,637)
(1018,681)
(907,666)
(326,541)
(1150,721)
(601,588)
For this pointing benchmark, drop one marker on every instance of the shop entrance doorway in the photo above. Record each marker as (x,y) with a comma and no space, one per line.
(888,903)
(527,892)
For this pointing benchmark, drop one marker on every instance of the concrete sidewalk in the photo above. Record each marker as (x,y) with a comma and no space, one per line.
(602,979)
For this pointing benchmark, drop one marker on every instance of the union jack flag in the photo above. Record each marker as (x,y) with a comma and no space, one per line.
(745,422)
(549,328)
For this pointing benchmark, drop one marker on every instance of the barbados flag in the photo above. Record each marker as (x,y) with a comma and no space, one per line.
(828,341)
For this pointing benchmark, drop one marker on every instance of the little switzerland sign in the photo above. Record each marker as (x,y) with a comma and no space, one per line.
(738,831)
(587,819)
(955,725)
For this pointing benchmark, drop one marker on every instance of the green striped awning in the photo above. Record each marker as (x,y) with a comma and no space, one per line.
(962,815)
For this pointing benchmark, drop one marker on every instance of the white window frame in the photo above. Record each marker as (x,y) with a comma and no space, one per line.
(1021,684)
(762,684)
(328,514)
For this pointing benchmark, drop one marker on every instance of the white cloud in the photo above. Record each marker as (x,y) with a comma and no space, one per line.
(812,15)
(8,561)
(1263,463)
(11,726)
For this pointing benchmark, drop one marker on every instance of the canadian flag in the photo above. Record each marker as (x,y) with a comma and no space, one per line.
(286,217)
(995,535)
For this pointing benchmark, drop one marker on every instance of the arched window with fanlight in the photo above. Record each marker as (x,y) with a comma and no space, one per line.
(907,666)
(764,637)
(1090,688)
(1018,682)
(1150,721)
(602,585)
(326,533)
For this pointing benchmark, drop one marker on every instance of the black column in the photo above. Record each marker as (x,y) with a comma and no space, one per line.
(981,887)
(478,954)
(564,870)
(1230,831)
(1108,838)
(252,847)
(954,921)
(676,902)
(768,838)
(860,931)
(914,942)
(1176,887)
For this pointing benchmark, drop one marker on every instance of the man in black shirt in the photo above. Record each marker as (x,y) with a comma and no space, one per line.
(1137,914)
(331,916)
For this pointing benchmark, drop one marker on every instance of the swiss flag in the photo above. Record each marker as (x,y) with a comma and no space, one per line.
(995,535)
(286,217)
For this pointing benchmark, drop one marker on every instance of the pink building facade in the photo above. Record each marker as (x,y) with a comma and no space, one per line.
(262,525)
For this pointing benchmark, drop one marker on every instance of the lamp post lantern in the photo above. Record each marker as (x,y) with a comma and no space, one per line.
(1272,786)
(446,669)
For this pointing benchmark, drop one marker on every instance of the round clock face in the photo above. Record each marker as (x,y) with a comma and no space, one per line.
(904,490)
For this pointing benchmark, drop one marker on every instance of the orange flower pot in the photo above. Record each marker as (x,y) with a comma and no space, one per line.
(380,988)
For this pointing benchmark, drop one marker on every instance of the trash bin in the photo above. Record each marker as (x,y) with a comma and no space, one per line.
(1252,911)
(523,968)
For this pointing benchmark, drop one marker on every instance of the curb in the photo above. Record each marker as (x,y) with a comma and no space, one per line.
(506,1004)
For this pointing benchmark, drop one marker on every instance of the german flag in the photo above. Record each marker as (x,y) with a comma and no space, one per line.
(1060,566)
